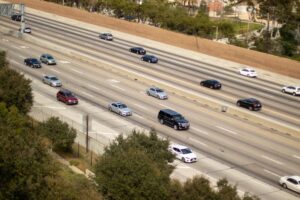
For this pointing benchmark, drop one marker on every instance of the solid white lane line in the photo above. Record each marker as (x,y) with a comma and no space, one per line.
(138,105)
(117,87)
(197,141)
(5,40)
(87,94)
(269,172)
(270,159)
(74,70)
(24,47)
(93,86)
(200,131)
(165,106)
(55,70)
(295,156)
(135,114)
(21,56)
(64,61)
(225,129)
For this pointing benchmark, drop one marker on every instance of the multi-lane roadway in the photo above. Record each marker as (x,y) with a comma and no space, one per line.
(105,71)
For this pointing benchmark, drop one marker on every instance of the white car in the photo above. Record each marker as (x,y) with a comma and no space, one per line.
(248,72)
(294,90)
(183,153)
(120,108)
(157,92)
(290,182)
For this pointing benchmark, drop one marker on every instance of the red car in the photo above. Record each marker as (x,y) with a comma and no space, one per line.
(67,97)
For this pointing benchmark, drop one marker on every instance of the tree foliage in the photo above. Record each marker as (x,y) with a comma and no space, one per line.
(135,168)
(14,88)
(60,133)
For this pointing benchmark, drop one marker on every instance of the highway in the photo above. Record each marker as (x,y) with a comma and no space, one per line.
(244,145)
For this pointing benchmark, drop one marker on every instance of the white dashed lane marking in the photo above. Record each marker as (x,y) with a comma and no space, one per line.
(138,105)
(55,70)
(87,94)
(194,140)
(77,71)
(200,131)
(270,159)
(118,87)
(227,130)
(64,61)
(269,172)
(165,106)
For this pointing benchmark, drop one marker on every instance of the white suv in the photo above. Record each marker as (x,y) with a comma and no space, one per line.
(248,72)
(183,153)
(294,90)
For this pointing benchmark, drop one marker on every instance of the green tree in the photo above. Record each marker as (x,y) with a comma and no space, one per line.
(135,168)
(14,88)
(61,135)
(25,166)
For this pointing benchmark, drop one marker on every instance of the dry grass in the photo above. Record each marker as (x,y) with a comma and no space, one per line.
(272,63)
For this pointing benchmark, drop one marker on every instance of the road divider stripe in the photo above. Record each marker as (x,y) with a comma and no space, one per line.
(270,159)
(51,107)
(225,129)
(93,86)
(197,141)
(56,71)
(138,105)
(21,56)
(87,94)
(165,106)
(200,131)
(77,71)
(295,156)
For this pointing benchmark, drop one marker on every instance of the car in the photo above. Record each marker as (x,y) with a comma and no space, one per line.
(26,30)
(294,90)
(290,182)
(157,92)
(248,72)
(173,119)
(47,59)
(106,36)
(183,153)
(213,84)
(250,103)
(52,81)
(32,62)
(149,58)
(66,96)
(138,50)
(120,108)
(16,17)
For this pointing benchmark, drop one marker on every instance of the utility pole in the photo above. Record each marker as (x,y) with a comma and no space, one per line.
(22,18)
(87,134)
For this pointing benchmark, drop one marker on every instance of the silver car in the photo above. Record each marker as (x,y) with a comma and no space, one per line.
(47,59)
(106,36)
(120,108)
(157,92)
(52,81)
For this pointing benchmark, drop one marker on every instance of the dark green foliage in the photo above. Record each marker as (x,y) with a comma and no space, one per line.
(135,168)
(61,135)
(25,167)
(14,88)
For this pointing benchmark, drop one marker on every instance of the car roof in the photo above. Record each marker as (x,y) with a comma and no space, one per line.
(179,146)
(51,76)
(156,88)
(118,103)
(169,111)
(251,99)
(46,54)
(297,178)
(65,90)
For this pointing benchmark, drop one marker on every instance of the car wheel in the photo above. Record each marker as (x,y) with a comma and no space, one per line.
(51,84)
(175,127)
(161,121)
(284,185)
(211,87)
(201,84)
(238,104)
(283,91)
(182,159)
(148,93)
(142,59)
(250,108)
(57,99)
(294,94)
(109,108)
(149,61)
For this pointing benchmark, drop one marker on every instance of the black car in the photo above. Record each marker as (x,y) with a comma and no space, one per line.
(32,62)
(173,119)
(138,50)
(16,17)
(149,58)
(250,103)
(213,84)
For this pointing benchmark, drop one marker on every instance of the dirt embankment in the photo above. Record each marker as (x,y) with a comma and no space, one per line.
(268,62)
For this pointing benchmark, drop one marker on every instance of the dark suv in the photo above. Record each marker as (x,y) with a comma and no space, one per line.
(32,62)
(213,84)
(173,119)
(67,97)
(250,103)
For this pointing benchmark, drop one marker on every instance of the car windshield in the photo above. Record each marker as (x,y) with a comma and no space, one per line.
(159,90)
(186,151)
(49,57)
(69,94)
(122,106)
(53,78)
(34,60)
(178,117)
(252,71)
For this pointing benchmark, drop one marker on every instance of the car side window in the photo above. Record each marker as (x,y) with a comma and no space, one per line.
(177,150)
(292,181)
(114,105)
